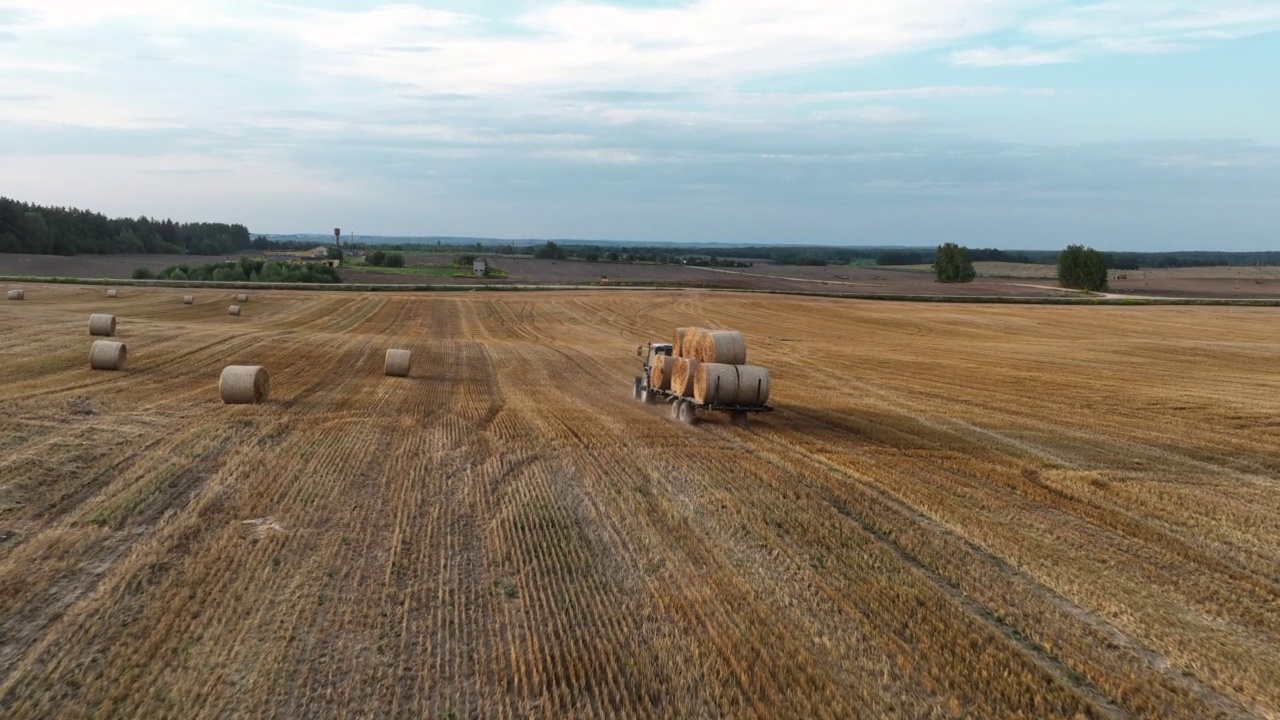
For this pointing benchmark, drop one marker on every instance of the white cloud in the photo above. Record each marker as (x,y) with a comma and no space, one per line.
(1013,56)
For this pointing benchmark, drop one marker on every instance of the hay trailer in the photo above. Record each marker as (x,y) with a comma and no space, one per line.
(683,409)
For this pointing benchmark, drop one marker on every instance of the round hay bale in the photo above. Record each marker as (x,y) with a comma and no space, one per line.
(660,373)
(107,355)
(242,298)
(102,325)
(725,347)
(682,373)
(113,293)
(17,294)
(188,299)
(716,383)
(396,363)
(677,341)
(753,385)
(234,310)
(244,385)
(687,340)
(723,384)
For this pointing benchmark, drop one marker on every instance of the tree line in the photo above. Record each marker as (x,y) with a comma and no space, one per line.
(246,269)
(1079,267)
(35,229)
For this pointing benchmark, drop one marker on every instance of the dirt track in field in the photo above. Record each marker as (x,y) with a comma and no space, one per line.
(956,510)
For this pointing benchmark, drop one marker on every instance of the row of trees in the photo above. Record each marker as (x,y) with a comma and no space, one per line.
(1079,267)
(246,269)
(381,258)
(27,228)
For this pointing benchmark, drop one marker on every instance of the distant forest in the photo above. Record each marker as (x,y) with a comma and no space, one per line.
(26,228)
(730,256)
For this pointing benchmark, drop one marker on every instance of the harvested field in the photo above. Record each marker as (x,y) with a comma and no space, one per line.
(95,266)
(956,510)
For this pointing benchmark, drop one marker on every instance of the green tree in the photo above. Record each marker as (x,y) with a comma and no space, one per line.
(377,257)
(550,251)
(334,252)
(1082,268)
(394,260)
(143,273)
(952,264)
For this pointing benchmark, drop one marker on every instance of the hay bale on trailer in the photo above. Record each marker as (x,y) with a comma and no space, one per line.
(242,298)
(102,325)
(107,355)
(679,340)
(397,363)
(234,310)
(188,299)
(660,373)
(723,384)
(17,295)
(682,372)
(244,385)
(725,347)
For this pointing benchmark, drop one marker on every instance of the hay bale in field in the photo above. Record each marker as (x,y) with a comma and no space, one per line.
(102,325)
(396,363)
(107,355)
(682,372)
(723,384)
(244,384)
(234,310)
(242,298)
(725,347)
(113,293)
(17,295)
(660,373)
(188,299)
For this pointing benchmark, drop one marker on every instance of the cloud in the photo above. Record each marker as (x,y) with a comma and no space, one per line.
(1071,32)
(1013,56)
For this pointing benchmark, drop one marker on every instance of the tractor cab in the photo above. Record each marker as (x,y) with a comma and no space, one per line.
(655,351)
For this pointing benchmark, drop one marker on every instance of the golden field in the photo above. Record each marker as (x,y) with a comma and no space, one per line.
(955,511)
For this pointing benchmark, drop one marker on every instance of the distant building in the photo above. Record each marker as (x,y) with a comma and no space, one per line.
(479,268)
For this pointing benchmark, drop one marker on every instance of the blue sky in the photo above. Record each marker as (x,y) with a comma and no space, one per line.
(1124,124)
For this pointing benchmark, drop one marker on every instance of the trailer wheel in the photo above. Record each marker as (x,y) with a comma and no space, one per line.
(646,396)
(635,388)
(740,418)
(675,408)
(688,414)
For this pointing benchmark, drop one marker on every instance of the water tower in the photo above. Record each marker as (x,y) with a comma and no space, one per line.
(337,236)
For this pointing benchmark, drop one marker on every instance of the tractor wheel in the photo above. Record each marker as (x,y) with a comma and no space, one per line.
(635,388)
(688,414)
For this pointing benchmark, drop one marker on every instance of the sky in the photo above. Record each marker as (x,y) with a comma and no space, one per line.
(1120,124)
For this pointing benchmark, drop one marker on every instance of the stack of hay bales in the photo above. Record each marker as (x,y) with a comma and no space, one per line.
(710,367)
